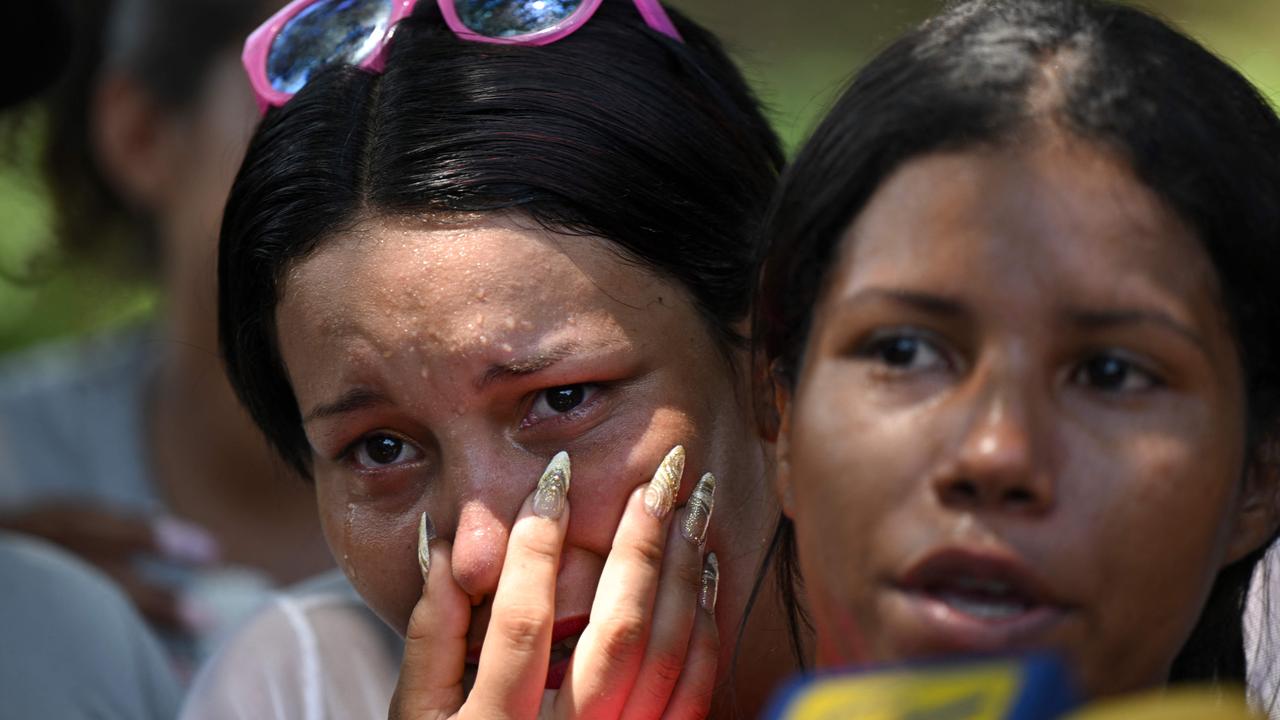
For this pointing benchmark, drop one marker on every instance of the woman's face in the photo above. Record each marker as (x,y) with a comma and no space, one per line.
(439,366)
(1019,422)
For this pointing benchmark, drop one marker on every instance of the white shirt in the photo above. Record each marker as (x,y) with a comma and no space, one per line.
(311,653)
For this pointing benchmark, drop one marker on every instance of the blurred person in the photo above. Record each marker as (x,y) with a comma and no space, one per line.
(128,448)
(1020,309)
(71,645)
(444,266)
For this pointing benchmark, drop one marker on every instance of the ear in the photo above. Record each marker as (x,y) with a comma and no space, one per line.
(131,141)
(1258,514)
(782,405)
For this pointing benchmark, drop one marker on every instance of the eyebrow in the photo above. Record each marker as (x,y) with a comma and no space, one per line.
(526,366)
(1105,320)
(364,398)
(924,302)
(1088,319)
(350,401)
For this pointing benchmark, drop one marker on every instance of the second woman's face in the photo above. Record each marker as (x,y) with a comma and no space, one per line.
(439,367)
(1019,423)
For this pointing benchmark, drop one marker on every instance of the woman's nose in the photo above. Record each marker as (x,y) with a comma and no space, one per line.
(1001,462)
(489,487)
(479,545)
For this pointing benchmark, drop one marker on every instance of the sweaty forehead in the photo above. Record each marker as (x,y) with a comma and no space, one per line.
(459,284)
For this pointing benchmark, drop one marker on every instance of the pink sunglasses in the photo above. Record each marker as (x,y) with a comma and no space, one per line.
(309,35)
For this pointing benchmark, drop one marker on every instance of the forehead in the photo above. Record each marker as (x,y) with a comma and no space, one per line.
(1053,214)
(458,287)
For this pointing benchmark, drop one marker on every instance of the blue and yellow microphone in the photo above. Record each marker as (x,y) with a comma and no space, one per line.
(1027,688)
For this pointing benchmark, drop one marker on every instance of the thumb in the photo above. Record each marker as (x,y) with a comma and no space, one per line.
(435,644)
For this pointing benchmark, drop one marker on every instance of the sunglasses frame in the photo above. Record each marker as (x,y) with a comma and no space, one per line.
(257,48)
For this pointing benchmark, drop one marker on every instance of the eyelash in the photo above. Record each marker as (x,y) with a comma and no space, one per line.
(352,453)
(1132,368)
(874,349)
(590,400)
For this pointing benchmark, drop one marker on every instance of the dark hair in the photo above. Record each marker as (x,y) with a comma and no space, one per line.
(617,131)
(1194,131)
(167,46)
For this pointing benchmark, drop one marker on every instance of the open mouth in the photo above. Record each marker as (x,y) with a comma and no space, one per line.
(564,640)
(981,598)
(965,601)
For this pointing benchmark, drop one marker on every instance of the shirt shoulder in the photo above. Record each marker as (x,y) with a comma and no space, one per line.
(313,652)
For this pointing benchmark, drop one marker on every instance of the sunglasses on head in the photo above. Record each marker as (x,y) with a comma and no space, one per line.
(307,36)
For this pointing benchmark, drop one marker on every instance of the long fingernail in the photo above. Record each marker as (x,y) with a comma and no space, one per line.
(426,533)
(698,512)
(553,488)
(710,583)
(660,496)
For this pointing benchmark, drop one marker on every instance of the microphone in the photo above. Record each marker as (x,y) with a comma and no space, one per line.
(1182,703)
(1035,687)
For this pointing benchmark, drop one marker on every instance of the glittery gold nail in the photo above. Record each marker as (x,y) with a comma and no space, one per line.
(710,583)
(660,496)
(553,488)
(426,533)
(698,512)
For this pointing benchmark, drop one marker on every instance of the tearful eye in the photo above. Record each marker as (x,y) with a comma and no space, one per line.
(380,451)
(564,399)
(553,402)
(1112,373)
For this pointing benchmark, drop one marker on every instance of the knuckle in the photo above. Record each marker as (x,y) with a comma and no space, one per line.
(689,574)
(664,670)
(522,628)
(646,551)
(540,547)
(622,638)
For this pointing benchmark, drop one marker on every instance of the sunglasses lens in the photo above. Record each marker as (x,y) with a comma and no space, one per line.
(329,32)
(512,18)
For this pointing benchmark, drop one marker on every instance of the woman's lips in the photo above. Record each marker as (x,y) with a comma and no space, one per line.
(963,600)
(564,639)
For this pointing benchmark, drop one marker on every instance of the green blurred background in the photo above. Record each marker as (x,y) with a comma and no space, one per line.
(798,53)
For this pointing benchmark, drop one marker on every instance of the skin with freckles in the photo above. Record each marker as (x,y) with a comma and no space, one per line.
(1019,422)
(440,363)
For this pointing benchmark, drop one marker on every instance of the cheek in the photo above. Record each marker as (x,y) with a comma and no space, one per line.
(607,470)
(376,549)
(1158,512)
(853,465)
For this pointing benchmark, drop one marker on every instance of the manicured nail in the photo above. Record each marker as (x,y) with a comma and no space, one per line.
(553,488)
(698,512)
(660,496)
(426,533)
(184,541)
(710,584)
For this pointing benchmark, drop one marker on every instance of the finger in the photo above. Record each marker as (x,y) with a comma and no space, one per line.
(435,643)
(608,656)
(675,608)
(512,675)
(183,541)
(691,699)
